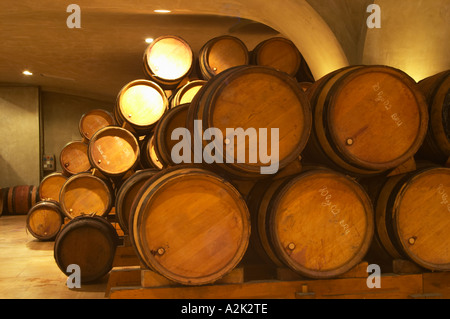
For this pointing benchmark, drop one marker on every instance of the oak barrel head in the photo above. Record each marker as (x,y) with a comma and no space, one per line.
(320,223)
(419,208)
(258,101)
(93,121)
(113,151)
(279,53)
(44,220)
(89,242)
(368,119)
(189,225)
(186,93)
(220,54)
(74,158)
(85,194)
(140,104)
(167,60)
(51,185)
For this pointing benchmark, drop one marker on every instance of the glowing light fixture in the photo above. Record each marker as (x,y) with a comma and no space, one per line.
(149,40)
(26,72)
(162,11)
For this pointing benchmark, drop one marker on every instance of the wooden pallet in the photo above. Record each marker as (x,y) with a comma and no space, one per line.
(130,280)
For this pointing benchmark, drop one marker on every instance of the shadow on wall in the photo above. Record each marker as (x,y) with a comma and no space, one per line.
(8,173)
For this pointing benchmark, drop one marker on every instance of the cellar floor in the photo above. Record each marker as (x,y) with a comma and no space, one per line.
(28,268)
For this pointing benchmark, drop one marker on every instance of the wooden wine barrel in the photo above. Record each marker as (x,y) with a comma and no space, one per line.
(113,151)
(93,121)
(89,242)
(127,193)
(318,223)
(413,217)
(140,104)
(279,53)
(168,60)
(436,146)
(86,194)
(51,185)
(44,220)
(74,159)
(149,159)
(162,138)
(258,101)
(367,120)
(20,199)
(186,93)
(189,225)
(220,54)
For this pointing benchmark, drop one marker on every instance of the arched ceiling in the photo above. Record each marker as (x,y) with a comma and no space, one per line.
(106,52)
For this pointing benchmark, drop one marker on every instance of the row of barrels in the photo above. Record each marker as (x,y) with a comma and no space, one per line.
(18,200)
(192,225)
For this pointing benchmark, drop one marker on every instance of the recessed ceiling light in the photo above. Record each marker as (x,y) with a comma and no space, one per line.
(162,11)
(26,72)
(149,40)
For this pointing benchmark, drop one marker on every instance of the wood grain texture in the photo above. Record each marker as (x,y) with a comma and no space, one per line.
(44,220)
(186,93)
(252,98)
(167,60)
(436,89)
(367,119)
(413,217)
(85,194)
(90,243)
(140,104)
(279,53)
(127,193)
(189,225)
(50,186)
(318,223)
(113,151)
(220,54)
(74,158)
(93,121)
(162,138)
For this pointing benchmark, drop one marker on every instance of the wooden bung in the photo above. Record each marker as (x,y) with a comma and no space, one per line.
(51,185)
(89,242)
(260,99)
(436,146)
(113,151)
(220,54)
(413,217)
(93,121)
(86,194)
(189,225)
(279,53)
(318,223)
(44,220)
(168,60)
(367,120)
(74,159)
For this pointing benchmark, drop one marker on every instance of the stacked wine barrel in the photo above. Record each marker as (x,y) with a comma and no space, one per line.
(195,213)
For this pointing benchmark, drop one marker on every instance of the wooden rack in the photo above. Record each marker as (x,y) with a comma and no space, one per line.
(130,280)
